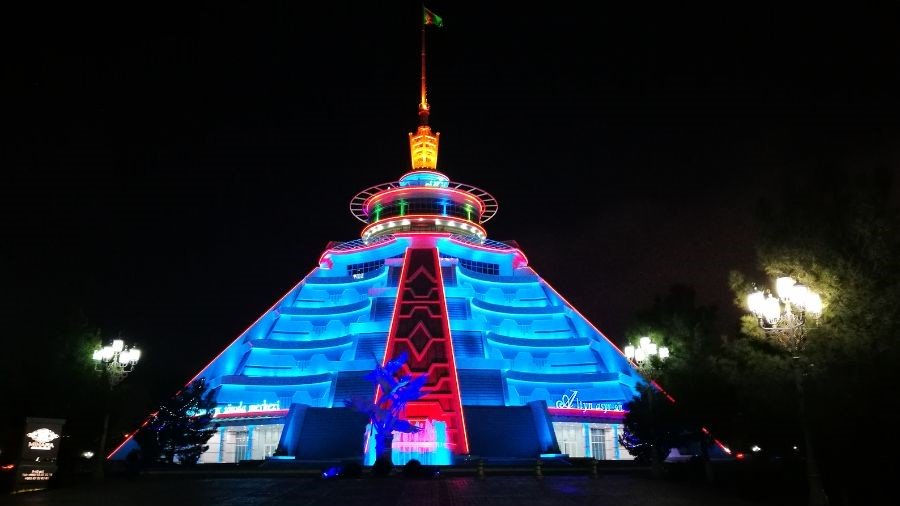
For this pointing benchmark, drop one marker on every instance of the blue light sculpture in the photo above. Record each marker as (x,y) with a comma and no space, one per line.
(385,412)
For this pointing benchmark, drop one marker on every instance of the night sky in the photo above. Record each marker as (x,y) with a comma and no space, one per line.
(169,171)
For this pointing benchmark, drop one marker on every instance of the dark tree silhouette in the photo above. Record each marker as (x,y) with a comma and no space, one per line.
(181,427)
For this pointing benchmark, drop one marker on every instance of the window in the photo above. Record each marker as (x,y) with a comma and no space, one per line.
(358,271)
(598,448)
(240,446)
(480,267)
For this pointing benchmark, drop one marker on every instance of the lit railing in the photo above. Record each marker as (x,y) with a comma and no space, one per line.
(486,243)
(357,203)
(360,244)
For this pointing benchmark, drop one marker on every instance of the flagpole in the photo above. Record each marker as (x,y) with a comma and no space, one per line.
(423,103)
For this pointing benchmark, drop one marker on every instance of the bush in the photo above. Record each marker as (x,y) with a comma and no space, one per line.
(382,467)
(352,469)
(412,469)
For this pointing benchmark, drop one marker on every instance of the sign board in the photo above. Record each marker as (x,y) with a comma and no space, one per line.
(40,447)
(573,402)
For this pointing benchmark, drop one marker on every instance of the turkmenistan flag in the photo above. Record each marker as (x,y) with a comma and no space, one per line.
(431,18)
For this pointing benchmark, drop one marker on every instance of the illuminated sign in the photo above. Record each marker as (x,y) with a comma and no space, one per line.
(36,475)
(246,408)
(41,439)
(573,402)
(40,445)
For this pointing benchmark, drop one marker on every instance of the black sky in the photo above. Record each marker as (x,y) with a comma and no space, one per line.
(170,170)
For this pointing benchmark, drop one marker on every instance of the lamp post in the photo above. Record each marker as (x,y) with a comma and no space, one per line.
(783,317)
(114,361)
(642,357)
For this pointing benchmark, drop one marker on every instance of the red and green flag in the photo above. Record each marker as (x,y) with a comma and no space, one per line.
(430,18)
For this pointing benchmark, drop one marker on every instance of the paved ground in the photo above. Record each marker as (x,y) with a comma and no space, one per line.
(613,490)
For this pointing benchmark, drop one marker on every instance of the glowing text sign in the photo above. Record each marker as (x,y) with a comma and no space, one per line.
(573,402)
(246,408)
(41,439)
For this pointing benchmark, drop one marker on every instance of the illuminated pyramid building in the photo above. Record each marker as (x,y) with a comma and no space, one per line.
(513,369)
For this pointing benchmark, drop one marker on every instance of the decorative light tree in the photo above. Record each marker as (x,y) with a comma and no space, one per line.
(783,317)
(642,356)
(391,397)
(115,362)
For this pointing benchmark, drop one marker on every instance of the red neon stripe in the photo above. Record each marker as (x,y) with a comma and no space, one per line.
(445,405)
(387,347)
(452,358)
(251,414)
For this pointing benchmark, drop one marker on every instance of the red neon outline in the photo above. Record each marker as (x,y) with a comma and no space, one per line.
(249,414)
(414,189)
(573,308)
(445,321)
(424,216)
(511,251)
(588,413)
(387,338)
(723,447)
(357,250)
(278,302)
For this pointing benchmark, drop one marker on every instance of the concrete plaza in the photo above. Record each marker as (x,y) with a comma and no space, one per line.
(612,489)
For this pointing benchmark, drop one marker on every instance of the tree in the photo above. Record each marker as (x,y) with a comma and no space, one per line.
(647,429)
(839,234)
(694,374)
(181,427)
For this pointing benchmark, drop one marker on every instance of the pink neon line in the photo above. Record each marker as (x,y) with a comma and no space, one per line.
(589,413)
(603,336)
(249,414)
(406,189)
(510,251)
(278,302)
(356,250)
(135,431)
(424,216)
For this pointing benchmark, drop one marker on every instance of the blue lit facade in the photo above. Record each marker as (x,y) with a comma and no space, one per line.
(532,374)
(515,339)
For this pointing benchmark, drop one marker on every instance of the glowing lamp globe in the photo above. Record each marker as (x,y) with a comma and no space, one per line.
(755,302)
(783,287)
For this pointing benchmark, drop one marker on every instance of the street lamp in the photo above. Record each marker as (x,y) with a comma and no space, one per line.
(114,361)
(784,317)
(642,358)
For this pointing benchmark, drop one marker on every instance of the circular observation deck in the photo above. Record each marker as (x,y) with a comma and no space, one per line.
(423,201)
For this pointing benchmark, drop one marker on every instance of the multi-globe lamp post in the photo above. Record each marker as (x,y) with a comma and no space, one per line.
(114,361)
(783,317)
(642,356)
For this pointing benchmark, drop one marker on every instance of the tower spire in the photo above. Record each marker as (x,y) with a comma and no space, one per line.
(423,145)
(423,101)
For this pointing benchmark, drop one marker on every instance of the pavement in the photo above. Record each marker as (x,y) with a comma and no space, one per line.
(612,490)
